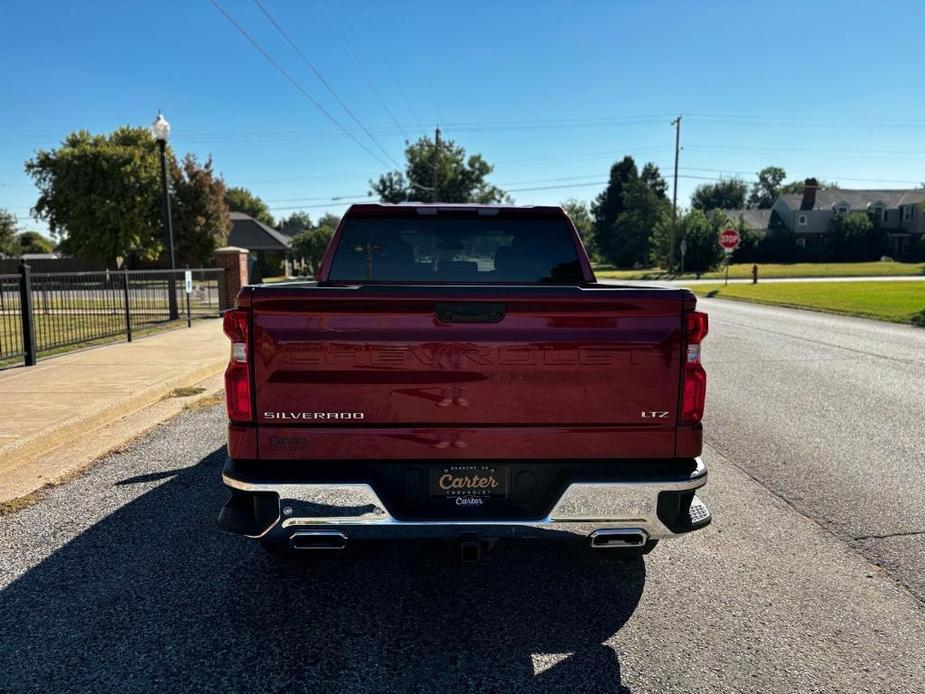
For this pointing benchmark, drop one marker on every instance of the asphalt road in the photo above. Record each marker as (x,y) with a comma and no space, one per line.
(120,581)
(828,412)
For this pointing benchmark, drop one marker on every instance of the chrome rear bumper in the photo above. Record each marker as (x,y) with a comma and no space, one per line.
(583,508)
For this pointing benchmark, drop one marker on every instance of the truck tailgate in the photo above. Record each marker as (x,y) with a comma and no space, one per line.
(509,369)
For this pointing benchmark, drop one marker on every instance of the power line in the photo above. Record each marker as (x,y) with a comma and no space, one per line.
(323,81)
(820,150)
(475,126)
(755,119)
(359,66)
(384,52)
(416,43)
(576,157)
(294,82)
(594,179)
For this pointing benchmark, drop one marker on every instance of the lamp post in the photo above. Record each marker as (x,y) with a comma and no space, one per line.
(160,128)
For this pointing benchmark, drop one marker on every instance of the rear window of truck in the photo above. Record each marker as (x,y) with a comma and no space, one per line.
(431,249)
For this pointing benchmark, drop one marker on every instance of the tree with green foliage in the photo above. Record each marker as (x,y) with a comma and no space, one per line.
(853,236)
(580,214)
(242,200)
(200,215)
(626,212)
(460,177)
(310,244)
(643,211)
(608,205)
(33,242)
(796,187)
(101,194)
(295,223)
(749,240)
(767,188)
(8,245)
(652,177)
(701,231)
(726,194)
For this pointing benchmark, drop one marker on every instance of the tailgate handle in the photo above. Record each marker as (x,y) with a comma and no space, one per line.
(469,312)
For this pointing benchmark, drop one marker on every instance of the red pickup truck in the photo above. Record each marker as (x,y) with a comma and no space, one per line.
(457,372)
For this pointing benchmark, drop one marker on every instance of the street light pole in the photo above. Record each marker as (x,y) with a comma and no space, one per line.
(161,130)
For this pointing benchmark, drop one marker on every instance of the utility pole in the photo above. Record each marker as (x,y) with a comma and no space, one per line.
(674,194)
(435,183)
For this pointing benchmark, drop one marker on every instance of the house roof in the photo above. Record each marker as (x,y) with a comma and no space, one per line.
(290,232)
(754,218)
(247,232)
(826,198)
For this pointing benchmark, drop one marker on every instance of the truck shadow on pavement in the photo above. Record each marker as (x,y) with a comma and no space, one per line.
(155,596)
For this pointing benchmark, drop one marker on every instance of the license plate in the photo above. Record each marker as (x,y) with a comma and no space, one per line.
(469,481)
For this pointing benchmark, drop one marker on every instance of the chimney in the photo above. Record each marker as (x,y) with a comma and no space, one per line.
(810,186)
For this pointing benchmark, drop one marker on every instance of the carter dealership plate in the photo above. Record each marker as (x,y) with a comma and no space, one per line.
(473,481)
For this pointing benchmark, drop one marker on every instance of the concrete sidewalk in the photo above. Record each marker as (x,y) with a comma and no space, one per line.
(63,399)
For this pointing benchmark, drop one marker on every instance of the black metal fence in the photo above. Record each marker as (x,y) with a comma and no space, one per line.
(54,311)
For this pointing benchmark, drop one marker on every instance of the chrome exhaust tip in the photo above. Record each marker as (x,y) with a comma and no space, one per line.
(318,539)
(618,537)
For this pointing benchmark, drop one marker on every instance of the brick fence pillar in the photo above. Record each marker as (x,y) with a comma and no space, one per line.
(234,263)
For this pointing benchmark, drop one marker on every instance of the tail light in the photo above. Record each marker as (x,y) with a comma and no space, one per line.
(694,391)
(237,375)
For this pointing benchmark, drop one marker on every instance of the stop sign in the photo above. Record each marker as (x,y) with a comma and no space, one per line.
(729,239)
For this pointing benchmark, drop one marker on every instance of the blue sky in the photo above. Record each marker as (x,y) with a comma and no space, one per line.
(550,92)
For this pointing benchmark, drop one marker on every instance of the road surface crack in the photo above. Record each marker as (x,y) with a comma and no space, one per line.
(911,533)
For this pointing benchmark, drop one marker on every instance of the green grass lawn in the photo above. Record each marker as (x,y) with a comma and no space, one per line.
(899,302)
(771,270)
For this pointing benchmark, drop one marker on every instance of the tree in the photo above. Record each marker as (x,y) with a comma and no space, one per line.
(8,244)
(652,177)
(853,236)
(767,188)
(310,244)
(643,211)
(749,240)
(701,231)
(102,194)
(727,194)
(200,215)
(33,242)
(242,200)
(796,187)
(295,223)
(460,178)
(609,205)
(626,212)
(578,212)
